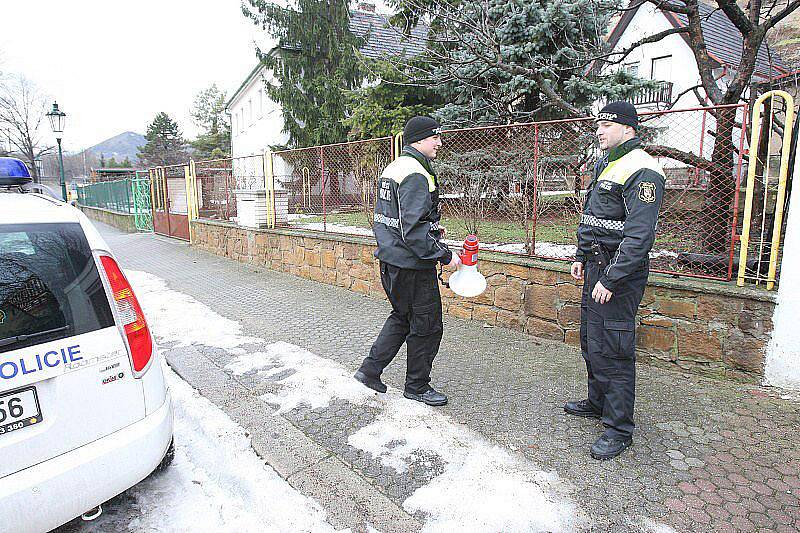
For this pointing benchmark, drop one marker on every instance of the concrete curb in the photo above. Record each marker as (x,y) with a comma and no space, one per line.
(350,500)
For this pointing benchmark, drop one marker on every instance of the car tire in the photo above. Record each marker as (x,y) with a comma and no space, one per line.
(167,460)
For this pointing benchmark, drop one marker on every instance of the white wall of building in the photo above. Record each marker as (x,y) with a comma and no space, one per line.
(650,60)
(256,121)
(782,367)
(672,60)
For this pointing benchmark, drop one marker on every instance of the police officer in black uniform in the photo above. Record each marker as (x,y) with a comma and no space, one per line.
(615,235)
(409,248)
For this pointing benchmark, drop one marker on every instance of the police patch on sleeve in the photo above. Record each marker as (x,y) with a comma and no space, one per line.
(647,192)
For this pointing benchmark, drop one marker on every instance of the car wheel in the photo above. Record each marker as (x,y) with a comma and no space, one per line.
(167,460)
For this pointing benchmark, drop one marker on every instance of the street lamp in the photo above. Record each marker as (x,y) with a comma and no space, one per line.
(57,120)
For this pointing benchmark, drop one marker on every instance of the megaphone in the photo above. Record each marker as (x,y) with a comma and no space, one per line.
(467,281)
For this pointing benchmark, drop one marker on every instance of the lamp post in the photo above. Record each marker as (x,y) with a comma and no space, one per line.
(57,120)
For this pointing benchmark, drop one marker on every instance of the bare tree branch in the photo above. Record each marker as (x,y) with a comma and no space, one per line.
(736,15)
(22,111)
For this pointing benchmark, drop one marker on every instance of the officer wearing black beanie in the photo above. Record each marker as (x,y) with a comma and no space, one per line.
(615,235)
(409,248)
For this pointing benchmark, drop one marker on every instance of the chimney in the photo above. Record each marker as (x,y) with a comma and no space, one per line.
(367,7)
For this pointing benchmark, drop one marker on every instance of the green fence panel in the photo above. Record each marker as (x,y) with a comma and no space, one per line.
(129,196)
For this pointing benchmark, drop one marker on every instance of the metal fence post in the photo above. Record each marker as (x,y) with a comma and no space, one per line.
(755,138)
(269,187)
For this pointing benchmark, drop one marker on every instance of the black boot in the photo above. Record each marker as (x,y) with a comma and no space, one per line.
(609,447)
(373,383)
(582,408)
(430,397)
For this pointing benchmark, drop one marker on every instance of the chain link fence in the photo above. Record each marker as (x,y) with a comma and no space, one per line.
(520,187)
(220,181)
(331,188)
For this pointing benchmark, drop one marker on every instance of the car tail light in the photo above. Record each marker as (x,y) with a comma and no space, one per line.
(130,313)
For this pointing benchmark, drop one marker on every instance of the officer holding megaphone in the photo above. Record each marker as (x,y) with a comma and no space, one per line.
(409,248)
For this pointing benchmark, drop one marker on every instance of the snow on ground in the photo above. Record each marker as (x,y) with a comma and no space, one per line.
(180,318)
(312,380)
(483,487)
(215,483)
(543,249)
(337,228)
(298,216)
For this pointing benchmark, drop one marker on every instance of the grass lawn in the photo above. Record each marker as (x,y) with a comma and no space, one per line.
(488,230)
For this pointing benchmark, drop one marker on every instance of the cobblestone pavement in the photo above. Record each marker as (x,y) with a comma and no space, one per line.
(707,456)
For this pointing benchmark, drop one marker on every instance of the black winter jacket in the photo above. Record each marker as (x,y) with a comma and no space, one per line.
(621,211)
(407,214)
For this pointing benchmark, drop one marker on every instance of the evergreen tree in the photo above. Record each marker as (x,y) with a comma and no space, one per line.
(112,163)
(165,144)
(313,65)
(214,141)
(102,161)
(502,61)
(383,109)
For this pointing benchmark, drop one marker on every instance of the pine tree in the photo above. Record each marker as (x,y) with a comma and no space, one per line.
(209,114)
(313,65)
(165,144)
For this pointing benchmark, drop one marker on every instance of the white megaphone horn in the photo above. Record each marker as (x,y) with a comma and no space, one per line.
(467,281)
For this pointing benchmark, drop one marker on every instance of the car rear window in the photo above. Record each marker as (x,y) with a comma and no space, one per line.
(49,285)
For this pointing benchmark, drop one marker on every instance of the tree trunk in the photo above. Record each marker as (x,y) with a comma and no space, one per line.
(721,186)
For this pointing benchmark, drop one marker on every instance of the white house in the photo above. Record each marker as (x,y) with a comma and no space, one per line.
(671,61)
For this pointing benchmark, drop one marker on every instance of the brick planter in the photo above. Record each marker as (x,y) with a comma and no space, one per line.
(703,327)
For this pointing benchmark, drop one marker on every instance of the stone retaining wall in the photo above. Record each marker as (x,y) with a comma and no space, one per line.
(703,327)
(121,221)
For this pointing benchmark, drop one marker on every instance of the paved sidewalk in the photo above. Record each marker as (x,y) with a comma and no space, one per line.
(707,455)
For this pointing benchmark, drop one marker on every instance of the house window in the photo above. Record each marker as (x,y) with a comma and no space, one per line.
(233,123)
(661,68)
(249,111)
(241,119)
(260,103)
(631,68)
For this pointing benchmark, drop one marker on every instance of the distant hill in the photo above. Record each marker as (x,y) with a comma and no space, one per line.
(119,147)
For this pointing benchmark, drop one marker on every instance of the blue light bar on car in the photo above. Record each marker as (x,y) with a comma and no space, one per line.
(13,172)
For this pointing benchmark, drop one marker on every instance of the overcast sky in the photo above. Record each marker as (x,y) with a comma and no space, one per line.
(113,65)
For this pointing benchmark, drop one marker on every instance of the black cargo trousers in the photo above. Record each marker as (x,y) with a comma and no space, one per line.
(608,343)
(416,319)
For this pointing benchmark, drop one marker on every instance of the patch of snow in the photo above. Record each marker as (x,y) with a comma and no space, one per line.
(651,526)
(175,316)
(298,216)
(483,487)
(311,380)
(337,228)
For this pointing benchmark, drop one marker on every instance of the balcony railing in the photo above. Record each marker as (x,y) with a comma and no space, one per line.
(662,94)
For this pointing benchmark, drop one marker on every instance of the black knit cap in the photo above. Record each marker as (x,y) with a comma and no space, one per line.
(619,112)
(418,128)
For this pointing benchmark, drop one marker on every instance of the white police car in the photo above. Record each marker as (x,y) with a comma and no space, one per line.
(84,410)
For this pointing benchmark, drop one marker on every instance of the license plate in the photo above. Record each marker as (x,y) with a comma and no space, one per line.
(19,409)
